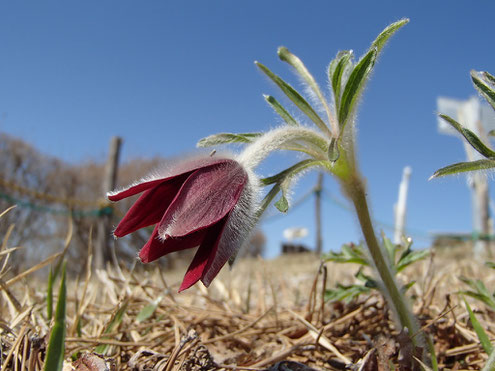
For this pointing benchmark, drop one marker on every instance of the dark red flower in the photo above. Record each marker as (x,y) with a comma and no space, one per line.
(205,202)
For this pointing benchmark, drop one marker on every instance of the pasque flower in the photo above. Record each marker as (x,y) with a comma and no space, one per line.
(206,201)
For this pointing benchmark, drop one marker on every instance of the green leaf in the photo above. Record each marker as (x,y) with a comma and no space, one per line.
(268,199)
(471,137)
(114,322)
(148,310)
(225,138)
(291,172)
(349,253)
(490,264)
(49,295)
(480,332)
(385,35)
(333,150)
(354,86)
(462,167)
(482,86)
(277,107)
(282,205)
(296,98)
(390,247)
(345,293)
(409,257)
(489,78)
(56,344)
(336,71)
(286,56)
(481,292)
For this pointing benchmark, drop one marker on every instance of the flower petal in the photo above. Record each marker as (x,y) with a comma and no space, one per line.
(150,207)
(155,247)
(205,254)
(179,168)
(133,190)
(238,227)
(206,197)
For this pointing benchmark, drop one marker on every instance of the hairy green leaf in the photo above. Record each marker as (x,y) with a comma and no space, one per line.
(471,137)
(333,150)
(56,344)
(462,167)
(336,71)
(282,112)
(354,86)
(225,138)
(292,171)
(286,56)
(296,98)
(482,85)
(385,35)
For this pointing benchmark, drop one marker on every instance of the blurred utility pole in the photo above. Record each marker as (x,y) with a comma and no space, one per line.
(480,119)
(318,189)
(104,228)
(400,206)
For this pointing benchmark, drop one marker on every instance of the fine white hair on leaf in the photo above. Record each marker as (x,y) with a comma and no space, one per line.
(276,139)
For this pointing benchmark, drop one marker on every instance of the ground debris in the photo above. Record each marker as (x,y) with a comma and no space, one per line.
(259,318)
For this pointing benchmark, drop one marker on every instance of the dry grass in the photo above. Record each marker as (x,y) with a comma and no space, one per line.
(253,317)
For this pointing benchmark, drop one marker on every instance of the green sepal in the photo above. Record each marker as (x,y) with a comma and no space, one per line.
(354,87)
(471,137)
(462,167)
(483,86)
(226,138)
(56,344)
(480,332)
(295,97)
(280,110)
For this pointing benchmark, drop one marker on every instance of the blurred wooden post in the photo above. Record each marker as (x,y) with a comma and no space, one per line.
(400,206)
(104,228)
(318,189)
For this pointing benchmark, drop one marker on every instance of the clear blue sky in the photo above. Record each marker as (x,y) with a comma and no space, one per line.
(164,74)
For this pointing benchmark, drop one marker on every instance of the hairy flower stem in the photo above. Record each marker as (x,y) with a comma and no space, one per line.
(355,189)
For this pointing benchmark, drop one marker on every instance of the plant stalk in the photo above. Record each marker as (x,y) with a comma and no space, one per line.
(355,189)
